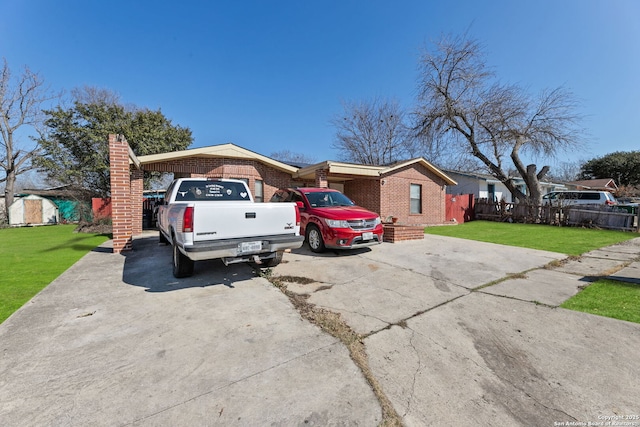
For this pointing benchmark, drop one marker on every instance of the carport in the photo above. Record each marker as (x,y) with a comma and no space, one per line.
(263,175)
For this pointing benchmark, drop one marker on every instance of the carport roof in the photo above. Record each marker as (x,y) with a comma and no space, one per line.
(357,170)
(216,151)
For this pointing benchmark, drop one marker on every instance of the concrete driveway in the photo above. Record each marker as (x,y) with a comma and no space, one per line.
(456,332)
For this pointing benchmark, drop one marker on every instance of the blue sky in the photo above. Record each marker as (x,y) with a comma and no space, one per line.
(269,75)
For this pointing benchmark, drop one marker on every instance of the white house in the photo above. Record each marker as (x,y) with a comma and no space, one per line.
(485,186)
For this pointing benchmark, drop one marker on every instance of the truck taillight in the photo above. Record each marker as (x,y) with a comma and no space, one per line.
(297,216)
(187,220)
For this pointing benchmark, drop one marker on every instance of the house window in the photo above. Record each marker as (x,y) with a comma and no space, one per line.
(491,189)
(416,198)
(258,194)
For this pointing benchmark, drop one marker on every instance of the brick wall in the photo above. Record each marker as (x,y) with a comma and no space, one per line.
(398,233)
(321,179)
(365,193)
(137,187)
(120,194)
(395,196)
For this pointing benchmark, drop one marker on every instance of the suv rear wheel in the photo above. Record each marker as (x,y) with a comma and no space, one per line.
(314,238)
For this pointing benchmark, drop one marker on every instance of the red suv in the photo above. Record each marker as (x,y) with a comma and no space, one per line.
(329,219)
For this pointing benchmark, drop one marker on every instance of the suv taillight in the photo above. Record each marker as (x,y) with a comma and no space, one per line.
(187,220)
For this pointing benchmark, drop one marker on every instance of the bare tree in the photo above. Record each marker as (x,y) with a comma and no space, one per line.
(566,171)
(288,156)
(371,132)
(95,95)
(461,103)
(20,107)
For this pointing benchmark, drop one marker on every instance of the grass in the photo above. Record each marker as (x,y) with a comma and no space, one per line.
(605,297)
(564,240)
(32,257)
(608,298)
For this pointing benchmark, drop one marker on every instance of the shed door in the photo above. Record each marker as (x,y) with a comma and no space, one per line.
(33,211)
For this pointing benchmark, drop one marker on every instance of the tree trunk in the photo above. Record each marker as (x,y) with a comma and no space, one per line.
(533,184)
(8,192)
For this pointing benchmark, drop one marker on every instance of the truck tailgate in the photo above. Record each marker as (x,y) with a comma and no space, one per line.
(241,219)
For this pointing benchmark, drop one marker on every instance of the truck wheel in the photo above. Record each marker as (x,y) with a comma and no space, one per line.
(182,266)
(163,240)
(314,238)
(272,262)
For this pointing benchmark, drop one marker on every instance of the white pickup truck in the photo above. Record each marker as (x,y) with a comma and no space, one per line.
(218,219)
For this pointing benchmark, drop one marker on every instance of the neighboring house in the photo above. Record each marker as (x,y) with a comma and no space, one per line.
(413,190)
(605,184)
(485,186)
(2,210)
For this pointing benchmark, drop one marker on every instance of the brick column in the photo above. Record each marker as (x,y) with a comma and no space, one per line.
(120,194)
(321,178)
(136,201)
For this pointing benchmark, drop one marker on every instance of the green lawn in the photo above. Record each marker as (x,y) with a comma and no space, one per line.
(32,257)
(564,240)
(608,298)
(605,297)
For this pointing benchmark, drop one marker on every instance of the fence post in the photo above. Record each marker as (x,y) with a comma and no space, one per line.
(638,219)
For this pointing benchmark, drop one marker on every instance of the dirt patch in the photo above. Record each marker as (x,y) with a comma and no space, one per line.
(96,228)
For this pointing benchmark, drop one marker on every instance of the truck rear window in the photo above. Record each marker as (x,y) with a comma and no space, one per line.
(211,190)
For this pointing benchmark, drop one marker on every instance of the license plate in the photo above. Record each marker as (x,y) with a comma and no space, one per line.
(367,236)
(250,246)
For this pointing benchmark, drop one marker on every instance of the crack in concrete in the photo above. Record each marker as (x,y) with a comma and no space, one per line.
(415,374)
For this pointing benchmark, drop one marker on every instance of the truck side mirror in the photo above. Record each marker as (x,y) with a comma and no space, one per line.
(300,205)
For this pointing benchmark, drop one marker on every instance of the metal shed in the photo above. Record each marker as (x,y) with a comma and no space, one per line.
(33,210)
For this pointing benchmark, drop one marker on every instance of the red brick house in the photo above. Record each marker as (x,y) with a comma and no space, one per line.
(412,191)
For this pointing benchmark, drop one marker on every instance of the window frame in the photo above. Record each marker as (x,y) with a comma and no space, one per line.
(413,200)
(258,196)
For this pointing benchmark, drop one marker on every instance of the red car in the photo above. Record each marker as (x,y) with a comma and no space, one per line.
(329,219)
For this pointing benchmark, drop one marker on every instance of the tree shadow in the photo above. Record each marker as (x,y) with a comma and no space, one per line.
(149,265)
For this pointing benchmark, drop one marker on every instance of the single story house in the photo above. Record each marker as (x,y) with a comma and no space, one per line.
(605,184)
(413,190)
(485,186)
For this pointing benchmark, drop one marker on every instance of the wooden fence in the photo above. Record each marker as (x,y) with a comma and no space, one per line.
(596,216)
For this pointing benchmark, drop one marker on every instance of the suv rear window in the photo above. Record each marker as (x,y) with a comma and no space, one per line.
(588,196)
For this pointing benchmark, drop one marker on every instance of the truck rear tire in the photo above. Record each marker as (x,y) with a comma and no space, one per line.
(182,266)
(272,262)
